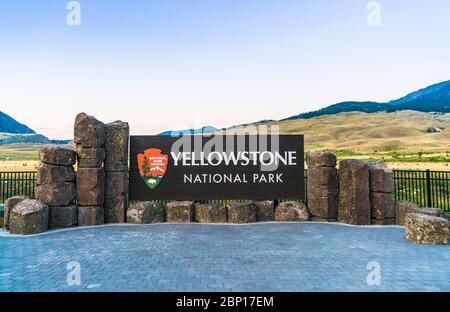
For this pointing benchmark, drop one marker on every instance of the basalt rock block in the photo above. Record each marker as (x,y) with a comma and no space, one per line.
(57,194)
(241,212)
(117,137)
(180,212)
(265,210)
(146,213)
(115,166)
(382,206)
(29,217)
(90,186)
(115,208)
(210,213)
(425,229)
(89,132)
(54,155)
(90,157)
(323,192)
(381,178)
(48,174)
(291,211)
(9,205)
(354,198)
(321,159)
(91,215)
(116,183)
(63,216)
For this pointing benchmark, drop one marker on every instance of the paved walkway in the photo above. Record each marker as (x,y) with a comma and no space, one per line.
(195,257)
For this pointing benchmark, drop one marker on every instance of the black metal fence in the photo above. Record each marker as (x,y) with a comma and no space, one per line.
(426,188)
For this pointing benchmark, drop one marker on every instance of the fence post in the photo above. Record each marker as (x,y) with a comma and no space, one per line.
(428,188)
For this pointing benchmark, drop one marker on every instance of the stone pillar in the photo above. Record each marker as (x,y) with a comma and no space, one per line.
(323,186)
(90,137)
(354,202)
(116,167)
(382,200)
(56,185)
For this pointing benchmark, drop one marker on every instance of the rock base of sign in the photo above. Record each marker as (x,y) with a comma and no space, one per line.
(291,211)
(63,216)
(321,159)
(89,132)
(426,229)
(146,213)
(382,205)
(91,215)
(323,220)
(9,205)
(241,212)
(354,194)
(401,210)
(180,212)
(210,213)
(265,210)
(29,217)
(49,174)
(90,157)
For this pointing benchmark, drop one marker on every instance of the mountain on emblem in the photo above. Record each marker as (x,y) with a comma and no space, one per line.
(152,166)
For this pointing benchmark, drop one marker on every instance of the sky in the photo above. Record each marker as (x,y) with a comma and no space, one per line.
(177,64)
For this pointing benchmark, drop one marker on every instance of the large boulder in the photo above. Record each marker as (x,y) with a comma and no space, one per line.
(117,137)
(89,132)
(382,206)
(425,229)
(91,215)
(90,157)
(241,212)
(321,159)
(210,213)
(57,194)
(354,198)
(90,186)
(115,208)
(180,212)
(323,192)
(265,210)
(55,155)
(29,217)
(146,213)
(63,216)
(48,174)
(9,205)
(291,211)
(403,208)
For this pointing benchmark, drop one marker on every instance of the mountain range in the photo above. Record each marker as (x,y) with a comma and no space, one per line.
(434,98)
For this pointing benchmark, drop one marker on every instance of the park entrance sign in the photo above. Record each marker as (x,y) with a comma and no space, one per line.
(216,167)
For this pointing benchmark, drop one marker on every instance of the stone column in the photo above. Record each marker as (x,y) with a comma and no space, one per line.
(56,185)
(354,203)
(116,167)
(382,201)
(323,186)
(90,136)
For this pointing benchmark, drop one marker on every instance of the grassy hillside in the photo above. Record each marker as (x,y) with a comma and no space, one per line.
(398,136)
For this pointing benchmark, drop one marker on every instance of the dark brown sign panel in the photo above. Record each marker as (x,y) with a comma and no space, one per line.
(216,167)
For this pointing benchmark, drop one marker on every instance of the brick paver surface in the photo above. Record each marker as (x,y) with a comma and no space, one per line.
(195,257)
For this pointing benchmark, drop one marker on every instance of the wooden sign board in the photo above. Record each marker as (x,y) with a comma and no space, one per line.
(216,167)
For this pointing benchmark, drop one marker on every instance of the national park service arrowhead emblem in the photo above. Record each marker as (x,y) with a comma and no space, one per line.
(152,166)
